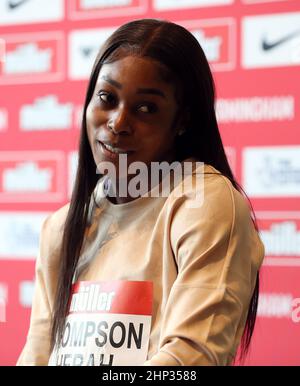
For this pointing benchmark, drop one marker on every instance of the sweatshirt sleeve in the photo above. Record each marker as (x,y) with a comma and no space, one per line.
(218,253)
(36,351)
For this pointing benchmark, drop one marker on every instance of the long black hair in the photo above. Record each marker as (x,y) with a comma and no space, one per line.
(180,53)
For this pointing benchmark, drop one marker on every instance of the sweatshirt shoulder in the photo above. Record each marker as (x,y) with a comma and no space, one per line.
(220,187)
(213,206)
(208,184)
(51,235)
(56,220)
(210,194)
(226,199)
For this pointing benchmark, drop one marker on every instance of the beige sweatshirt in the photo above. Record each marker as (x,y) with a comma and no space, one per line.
(202,262)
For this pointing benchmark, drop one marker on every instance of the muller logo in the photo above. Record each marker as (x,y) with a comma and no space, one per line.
(46,113)
(217,37)
(27,176)
(17,61)
(282,238)
(280,233)
(32,176)
(33,58)
(275,305)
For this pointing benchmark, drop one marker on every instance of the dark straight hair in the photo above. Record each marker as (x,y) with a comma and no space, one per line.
(183,62)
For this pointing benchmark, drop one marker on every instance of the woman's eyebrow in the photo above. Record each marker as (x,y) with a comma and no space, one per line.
(153,91)
(111,81)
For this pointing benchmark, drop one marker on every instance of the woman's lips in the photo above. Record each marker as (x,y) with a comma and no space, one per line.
(112,154)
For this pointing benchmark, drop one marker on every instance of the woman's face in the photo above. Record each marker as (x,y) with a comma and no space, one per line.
(132,109)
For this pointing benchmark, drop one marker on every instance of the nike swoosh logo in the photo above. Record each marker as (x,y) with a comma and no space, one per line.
(14,5)
(267,46)
(87,51)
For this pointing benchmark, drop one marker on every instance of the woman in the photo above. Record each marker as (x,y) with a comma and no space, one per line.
(124,279)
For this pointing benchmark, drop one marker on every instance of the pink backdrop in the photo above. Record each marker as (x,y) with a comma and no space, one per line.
(46,53)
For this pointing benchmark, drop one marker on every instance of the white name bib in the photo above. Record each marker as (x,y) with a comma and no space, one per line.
(108,324)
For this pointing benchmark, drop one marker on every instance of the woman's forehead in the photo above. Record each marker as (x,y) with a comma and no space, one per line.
(135,62)
(139,71)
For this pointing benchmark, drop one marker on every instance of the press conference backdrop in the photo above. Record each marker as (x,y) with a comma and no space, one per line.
(46,52)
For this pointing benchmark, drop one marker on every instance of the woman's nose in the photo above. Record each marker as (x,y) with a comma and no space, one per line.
(119,122)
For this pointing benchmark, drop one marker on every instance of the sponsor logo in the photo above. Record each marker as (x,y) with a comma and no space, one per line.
(33,58)
(281,239)
(26,289)
(217,38)
(46,113)
(280,233)
(32,176)
(266,45)
(108,324)
(87,51)
(275,305)
(30,11)
(14,4)
(83,48)
(272,171)
(3,119)
(19,234)
(91,298)
(256,109)
(91,9)
(160,5)
(29,175)
(17,61)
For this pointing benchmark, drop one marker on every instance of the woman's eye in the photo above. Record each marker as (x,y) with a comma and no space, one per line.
(105,97)
(147,108)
